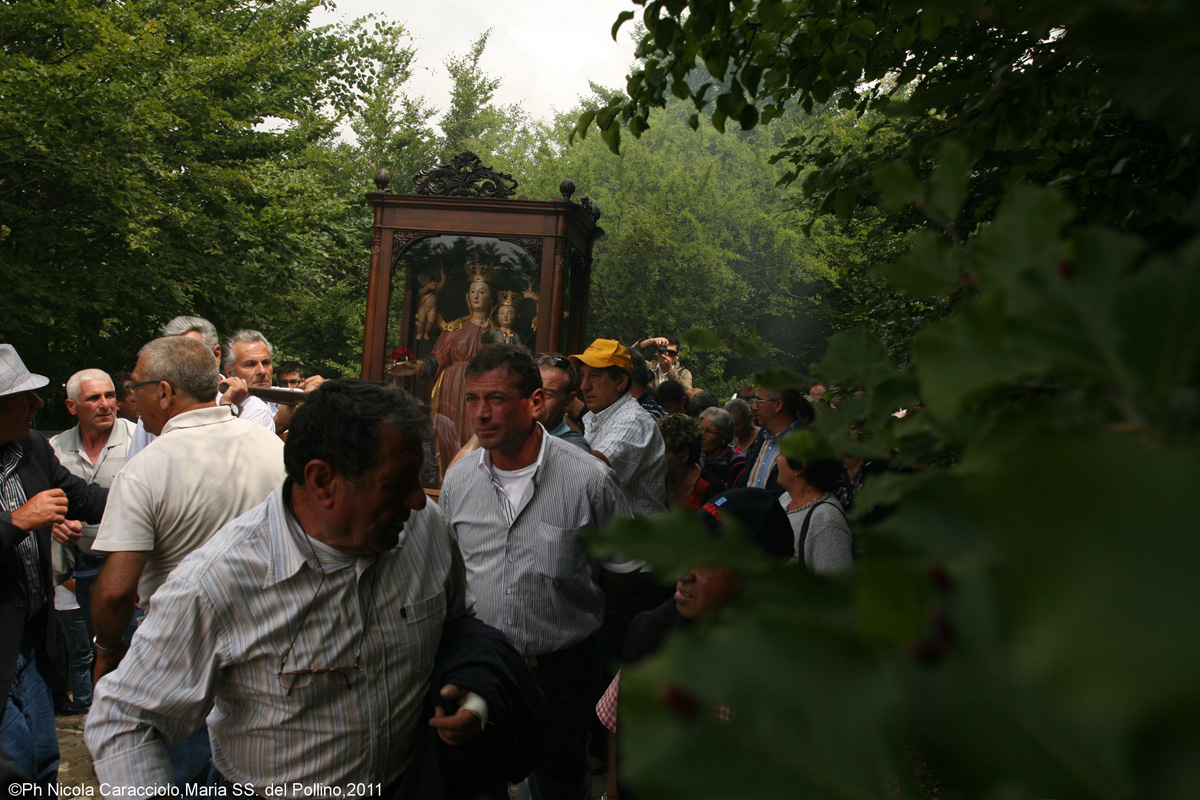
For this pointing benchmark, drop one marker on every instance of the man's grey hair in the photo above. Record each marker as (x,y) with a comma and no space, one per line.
(181,325)
(74,382)
(242,337)
(738,408)
(722,419)
(184,363)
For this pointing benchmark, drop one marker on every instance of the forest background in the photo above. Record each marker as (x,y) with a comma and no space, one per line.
(159,159)
(983,210)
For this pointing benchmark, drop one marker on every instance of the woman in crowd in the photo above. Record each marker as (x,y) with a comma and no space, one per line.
(687,484)
(824,542)
(717,454)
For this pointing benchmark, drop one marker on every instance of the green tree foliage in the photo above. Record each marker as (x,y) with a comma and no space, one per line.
(156,159)
(697,234)
(473,121)
(1021,620)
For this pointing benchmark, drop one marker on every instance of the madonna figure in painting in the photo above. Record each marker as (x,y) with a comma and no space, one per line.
(457,344)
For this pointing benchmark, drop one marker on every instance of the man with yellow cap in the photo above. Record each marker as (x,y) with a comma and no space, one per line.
(622,433)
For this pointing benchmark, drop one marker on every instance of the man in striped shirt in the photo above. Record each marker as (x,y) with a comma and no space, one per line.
(304,630)
(622,433)
(516,508)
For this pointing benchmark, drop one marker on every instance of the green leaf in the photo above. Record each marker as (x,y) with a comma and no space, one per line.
(612,136)
(1026,236)
(751,347)
(772,13)
(778,378)
(864,27)
(622,18)
(854,358)
(748,118)
(948,184)
(844,202)
(931,24)
(897,184)
(805,445)
(703,339)
(962,358)
(929,268)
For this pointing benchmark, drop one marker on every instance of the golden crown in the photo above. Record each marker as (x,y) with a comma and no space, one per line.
(508,298)
(478,272)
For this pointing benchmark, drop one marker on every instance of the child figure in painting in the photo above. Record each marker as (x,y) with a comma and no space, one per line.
(427,290)
(505,318)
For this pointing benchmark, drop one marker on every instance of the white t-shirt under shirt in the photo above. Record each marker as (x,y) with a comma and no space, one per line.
(515,482)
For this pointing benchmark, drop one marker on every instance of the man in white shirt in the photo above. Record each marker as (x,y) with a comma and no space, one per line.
(516,507)
(249,362)
(305,630)
(205,468)
(236,394)
(94,450)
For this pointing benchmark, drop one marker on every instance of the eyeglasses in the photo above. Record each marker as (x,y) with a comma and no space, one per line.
(672,353)
(129,387)
(710,431)
(554,361)
(495,400)
(299,678)
(292,382)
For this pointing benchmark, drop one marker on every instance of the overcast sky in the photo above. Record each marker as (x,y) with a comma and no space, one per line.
(544,51)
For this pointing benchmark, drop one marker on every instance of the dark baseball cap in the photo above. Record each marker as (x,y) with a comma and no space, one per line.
(760,515)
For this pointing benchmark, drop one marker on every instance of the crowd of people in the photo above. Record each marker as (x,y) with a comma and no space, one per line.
(261,595)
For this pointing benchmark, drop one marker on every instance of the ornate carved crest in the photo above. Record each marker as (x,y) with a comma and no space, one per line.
(530,244)
(402,239)
(465,176)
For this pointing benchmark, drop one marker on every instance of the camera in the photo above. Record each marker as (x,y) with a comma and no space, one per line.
(662,351)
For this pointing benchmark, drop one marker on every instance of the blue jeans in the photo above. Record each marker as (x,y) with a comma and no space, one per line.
(27,734)
(79,658)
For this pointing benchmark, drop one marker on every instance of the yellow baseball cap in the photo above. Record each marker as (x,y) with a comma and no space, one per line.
(605,353)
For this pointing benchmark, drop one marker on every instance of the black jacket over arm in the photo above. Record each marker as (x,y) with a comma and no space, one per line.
(473,655)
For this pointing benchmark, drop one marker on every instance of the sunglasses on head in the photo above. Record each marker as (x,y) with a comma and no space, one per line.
(554,361)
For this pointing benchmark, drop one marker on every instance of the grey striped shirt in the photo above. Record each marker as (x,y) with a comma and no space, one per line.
(527,566)
(216,637)
(628,437)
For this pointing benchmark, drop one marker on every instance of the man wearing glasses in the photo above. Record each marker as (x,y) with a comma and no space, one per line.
(290,375)
(305,630)
(666,365)
(204,468)
(779,412)
(517,507)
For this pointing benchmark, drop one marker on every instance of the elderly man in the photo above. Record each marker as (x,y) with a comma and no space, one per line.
(622,433)
(236,393)
(305,630)
(208,468)
(94,450)
(517,508)
(247,363)
(779,412)
(36,492)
